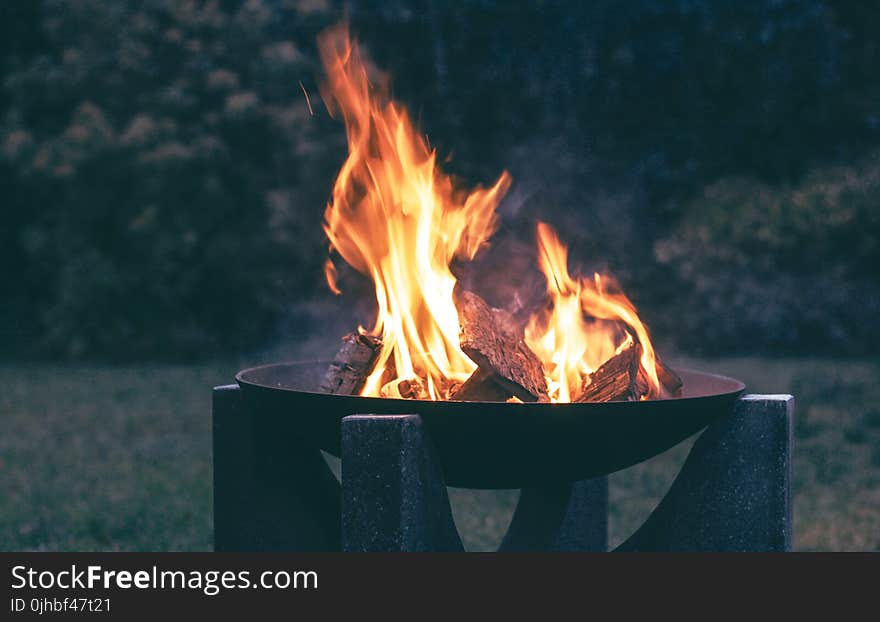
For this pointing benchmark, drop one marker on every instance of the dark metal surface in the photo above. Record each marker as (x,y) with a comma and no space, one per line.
(733,492)
(271,492)
(496,444)
(570,516)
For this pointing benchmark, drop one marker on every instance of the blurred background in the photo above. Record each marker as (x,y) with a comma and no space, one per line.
(162,184)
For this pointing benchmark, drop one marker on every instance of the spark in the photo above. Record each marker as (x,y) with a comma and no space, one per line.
(308,100)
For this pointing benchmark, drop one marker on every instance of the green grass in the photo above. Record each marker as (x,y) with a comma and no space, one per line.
(119,458)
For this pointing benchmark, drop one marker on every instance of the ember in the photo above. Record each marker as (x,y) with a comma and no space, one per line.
(398,219)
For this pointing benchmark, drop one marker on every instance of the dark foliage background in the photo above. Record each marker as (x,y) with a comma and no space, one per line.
(162,180)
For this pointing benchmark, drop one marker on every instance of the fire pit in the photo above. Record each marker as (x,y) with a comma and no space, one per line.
(499,444)
(555,387)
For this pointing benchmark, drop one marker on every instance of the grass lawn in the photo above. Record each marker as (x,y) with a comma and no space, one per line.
(119,458)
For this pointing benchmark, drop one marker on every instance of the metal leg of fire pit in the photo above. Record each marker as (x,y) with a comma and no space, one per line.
(560,517)
(732,494)
(734,491)
(272,492)
(393,492)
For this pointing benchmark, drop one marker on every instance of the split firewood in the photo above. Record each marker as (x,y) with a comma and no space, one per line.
(670,382)
(405,388)
(352,365)
(641,384)
(480,387)
(616,380)
(668,378)
(493,344)
(507,324)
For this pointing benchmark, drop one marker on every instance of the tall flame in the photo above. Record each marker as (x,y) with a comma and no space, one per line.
(395,217)
(585,324)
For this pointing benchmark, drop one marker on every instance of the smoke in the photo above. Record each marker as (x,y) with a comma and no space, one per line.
(599,214)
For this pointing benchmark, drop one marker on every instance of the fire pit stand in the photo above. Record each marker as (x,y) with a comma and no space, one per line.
(274,491)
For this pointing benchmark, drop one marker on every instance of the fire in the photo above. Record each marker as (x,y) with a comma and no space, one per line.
(587,322)
(397,218)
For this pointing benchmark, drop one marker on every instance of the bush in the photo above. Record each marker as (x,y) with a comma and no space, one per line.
(791,268)
(160,174)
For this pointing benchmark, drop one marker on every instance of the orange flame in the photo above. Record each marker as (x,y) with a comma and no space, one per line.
(395,217)
(585,325)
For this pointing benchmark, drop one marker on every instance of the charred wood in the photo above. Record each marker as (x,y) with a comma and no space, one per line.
(668,378)
(617,379)
(352,365)
(490,340)
(482,386)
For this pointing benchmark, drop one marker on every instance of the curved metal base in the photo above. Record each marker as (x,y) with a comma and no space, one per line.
(560,517)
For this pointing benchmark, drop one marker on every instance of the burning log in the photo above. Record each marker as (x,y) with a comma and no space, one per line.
(641,384)
(619,378)
(668,378)
(480,387)
(670,382)
(490,339)
(352,364)
(622,378)
(404,388)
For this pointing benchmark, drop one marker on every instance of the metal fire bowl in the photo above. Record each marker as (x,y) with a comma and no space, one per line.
(497,444)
